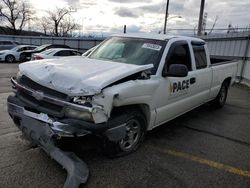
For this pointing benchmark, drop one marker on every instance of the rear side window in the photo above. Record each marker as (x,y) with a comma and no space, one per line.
(179,54)
(200,56)
(63,53)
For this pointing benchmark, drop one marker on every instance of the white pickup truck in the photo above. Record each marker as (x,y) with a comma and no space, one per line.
(126,86)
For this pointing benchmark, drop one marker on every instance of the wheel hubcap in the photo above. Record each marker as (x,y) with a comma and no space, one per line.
(222,95)
(10,58)
(133,131)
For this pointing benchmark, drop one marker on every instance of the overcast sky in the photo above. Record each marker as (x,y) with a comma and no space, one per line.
(148,15)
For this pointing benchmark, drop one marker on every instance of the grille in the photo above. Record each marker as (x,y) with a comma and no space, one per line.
(35,104)
(24,80)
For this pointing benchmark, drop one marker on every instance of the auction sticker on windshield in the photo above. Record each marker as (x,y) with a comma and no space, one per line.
(152,46)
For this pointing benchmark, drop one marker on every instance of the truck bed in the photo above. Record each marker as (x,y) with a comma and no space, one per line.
(218,61)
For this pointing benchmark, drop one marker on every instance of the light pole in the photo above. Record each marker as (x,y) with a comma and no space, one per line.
(201,17)
(166,18)
(169,18)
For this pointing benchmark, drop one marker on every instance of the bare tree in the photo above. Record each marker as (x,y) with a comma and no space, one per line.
(46,26)
(215,21)
(57,17)
(67,26)
(16,13)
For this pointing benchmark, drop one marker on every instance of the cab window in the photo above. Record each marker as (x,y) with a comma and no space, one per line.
(179,54)
(200,56)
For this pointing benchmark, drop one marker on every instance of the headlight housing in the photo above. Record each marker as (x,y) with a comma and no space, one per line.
(86,101)
(2,53)
(78,114)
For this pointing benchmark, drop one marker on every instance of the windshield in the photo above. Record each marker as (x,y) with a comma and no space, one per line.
(41,47)
(15,48)
(131,51)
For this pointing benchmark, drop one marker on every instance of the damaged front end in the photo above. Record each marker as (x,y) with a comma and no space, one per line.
(42,131)
(45,116)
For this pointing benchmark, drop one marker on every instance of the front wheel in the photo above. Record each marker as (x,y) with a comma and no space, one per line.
(9,58)
(135,132)
(221,98)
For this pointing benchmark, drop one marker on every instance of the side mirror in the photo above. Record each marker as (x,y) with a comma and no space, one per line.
(176,70)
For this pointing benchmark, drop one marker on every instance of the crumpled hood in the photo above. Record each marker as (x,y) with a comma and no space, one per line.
(78,76)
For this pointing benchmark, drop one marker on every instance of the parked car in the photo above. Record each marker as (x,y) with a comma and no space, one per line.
(127,86)
(55,53)
(13,54)
(8,44)
(26,55)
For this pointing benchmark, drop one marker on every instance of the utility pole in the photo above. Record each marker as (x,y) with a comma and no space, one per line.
(166,18)
(125,29)
(201,17)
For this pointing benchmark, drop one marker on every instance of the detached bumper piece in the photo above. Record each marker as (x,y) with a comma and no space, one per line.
(38,129)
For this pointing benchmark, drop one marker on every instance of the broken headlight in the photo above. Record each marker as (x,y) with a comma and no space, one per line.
(78,114)
(86,101)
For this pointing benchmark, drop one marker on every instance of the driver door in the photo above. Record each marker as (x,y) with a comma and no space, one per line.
(174,94)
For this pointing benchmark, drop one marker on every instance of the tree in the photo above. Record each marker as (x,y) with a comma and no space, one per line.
(67,26)
(46,26)
(215,21)
(58,18)
(16,13)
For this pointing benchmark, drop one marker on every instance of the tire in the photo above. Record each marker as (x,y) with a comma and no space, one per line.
(10,59)
(136,128)
(221,98)
(22,58)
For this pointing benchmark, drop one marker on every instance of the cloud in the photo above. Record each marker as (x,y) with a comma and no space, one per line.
(81,3)
(148,15)
(124,12)
(130,1)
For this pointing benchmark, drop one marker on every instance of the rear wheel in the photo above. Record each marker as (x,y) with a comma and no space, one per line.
(10,59)
(221,98)
(135,132)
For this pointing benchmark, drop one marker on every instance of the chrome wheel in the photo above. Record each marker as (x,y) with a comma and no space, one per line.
(133,132)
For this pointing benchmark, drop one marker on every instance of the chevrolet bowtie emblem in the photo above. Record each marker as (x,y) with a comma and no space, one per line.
(39,95)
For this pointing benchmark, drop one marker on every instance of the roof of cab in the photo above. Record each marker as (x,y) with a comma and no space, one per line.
(157,36)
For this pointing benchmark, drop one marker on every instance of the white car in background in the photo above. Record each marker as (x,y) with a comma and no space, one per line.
(56,53)
(13,54)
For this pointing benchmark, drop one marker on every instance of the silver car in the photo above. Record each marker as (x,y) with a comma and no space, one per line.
(7,44)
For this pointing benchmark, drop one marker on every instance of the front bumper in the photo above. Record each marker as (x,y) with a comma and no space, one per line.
(41,131)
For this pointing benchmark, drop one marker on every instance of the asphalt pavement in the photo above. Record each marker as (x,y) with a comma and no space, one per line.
(203,148)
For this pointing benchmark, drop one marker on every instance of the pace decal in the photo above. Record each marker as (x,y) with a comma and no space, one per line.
(179,86)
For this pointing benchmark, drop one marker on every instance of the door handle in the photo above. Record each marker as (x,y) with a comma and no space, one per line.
(192,80)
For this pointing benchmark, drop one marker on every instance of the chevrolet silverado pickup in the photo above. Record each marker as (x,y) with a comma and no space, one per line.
(126,86)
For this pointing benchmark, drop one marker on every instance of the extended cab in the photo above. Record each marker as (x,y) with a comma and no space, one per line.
(126,86)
